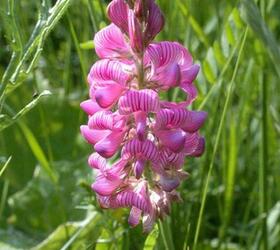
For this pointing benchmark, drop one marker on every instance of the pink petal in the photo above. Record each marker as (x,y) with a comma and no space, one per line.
(200,148)
(139,168)
(194,121)
(170,159)
(149,220)
(101,120)
(190,90)
(165,53)
(93,136)
(189,75)
(108,146)
(117,12)
(168,76)
(134,216)
(173,139)
(140,150)
(90,107)
(191,143)
(145,100)
(135,32)
(105,187)
(109,42)
(141,123)
(131,199)
(155,21)
(97,162)
(109,95)
(169,183)
(106,71)
(190,121)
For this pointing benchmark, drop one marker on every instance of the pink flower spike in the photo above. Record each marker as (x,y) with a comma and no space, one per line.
(127,118)
(110,43)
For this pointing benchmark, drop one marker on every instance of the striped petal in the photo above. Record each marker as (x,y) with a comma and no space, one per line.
(165,53)
(102,120)
(118,13)
(145,150)
(143,100)
(189,121)
(169,159)
(106,71)
(155,21)
(98,162)
(110,43)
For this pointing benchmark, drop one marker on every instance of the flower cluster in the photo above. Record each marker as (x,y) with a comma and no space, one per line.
(127,119)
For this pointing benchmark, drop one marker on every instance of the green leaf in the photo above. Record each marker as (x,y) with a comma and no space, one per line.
(151,240)
(73,235)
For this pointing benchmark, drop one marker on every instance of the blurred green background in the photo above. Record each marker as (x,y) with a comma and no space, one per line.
(232,198)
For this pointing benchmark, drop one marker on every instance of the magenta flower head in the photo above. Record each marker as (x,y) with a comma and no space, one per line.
(150,136)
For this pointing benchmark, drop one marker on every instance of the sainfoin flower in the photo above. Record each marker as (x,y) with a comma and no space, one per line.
(128,120)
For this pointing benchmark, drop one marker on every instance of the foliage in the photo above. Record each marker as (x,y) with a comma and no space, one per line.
(233,190)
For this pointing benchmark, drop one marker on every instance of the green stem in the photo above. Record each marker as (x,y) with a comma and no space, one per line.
(221,124)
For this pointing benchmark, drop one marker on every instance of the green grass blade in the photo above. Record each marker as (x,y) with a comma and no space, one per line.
(217,141)
(37,151)
(5,166)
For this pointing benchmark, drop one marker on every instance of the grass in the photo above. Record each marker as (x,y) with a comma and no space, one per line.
(230,201)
